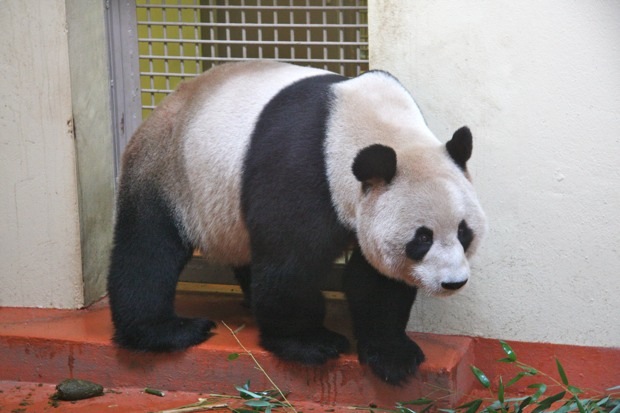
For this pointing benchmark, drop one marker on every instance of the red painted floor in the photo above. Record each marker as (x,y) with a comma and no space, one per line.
(26,397)
(39,348)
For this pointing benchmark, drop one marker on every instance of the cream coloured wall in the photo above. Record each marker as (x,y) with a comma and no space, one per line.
(539,84)
(92,114)
(57,157)
(40,260)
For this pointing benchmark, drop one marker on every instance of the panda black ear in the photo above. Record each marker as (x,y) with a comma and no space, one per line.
(460,147)
(375,163)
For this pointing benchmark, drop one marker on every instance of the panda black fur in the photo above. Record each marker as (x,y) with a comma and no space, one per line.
(275,169)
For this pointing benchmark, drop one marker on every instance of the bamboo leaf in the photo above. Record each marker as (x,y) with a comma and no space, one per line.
(603,401)
(542,387)
(552,399)
(417,402)
(516,378)
(427,408)
(466,405)
(155,392)
(273,394)
(500,391)
(567,407)
(474,407)
(526,402)
(233,356)
(561,371)
(546,403)
(516,399)
(471,406)
(257,403)
(574,390)
(246,394)
(613,388)
(579,405)
(587,402)
(512,356)
(482,378)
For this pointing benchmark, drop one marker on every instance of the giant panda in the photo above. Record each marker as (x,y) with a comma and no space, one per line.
(275,169)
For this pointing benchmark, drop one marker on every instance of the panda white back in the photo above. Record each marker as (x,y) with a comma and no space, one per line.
(216,134)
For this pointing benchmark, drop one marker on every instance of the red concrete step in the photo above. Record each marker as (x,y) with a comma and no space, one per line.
(47,346)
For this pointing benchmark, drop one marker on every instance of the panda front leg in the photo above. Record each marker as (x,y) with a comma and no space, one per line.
(148,254)
(289,309)
(380,309)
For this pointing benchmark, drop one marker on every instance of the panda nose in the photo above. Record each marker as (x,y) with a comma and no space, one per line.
(453,286)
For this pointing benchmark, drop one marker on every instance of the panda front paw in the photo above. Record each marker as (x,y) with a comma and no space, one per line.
(311,348)
(393,361)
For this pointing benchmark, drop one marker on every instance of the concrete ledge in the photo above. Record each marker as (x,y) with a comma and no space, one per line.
(47,346)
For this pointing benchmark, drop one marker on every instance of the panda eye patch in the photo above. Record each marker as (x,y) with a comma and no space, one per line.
(421,243)
(465,235)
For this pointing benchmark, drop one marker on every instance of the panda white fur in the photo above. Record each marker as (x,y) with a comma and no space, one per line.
(275,169)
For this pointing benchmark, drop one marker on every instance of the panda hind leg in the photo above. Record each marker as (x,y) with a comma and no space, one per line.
(148,254)
(380,309)
(244,278)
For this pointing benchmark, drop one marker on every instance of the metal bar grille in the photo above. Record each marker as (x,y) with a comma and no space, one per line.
(179,39)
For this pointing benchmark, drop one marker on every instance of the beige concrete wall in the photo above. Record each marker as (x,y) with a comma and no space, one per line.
(90,93)
(539,84)
(57,162)
(40,260)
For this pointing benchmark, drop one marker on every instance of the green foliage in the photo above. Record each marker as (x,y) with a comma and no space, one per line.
(565,401)
(561,371)
(260,401)
(512,356)
(232,356)
(482,378)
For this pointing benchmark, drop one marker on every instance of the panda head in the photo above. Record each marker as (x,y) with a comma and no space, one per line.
(418,218)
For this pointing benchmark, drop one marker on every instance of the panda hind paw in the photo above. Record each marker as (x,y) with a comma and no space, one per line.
(175,334)
(313,348)
(394,362)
